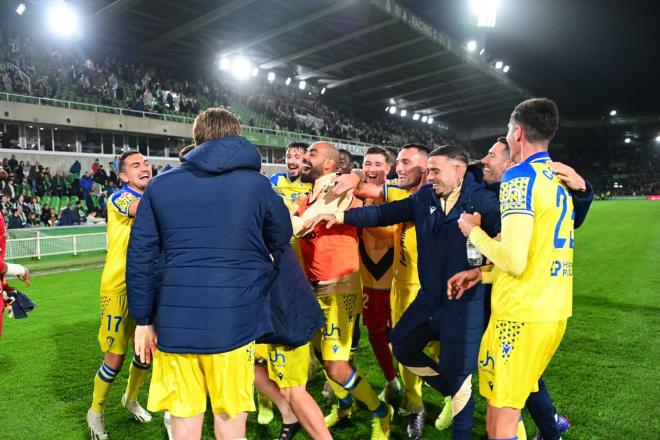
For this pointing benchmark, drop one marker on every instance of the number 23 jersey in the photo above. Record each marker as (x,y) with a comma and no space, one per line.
(544,291)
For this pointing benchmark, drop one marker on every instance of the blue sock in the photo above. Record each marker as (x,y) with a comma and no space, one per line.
(380,412)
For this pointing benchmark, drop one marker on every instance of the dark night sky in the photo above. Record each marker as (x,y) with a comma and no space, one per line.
(589,55)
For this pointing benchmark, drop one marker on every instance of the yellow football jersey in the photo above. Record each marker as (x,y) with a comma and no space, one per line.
(113,280)
(289,189)
(544,291)
(405,241)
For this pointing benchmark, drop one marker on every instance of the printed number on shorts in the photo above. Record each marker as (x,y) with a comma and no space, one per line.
(116,318)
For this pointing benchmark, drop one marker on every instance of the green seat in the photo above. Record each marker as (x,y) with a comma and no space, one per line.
(55,203)
(95,201)
(63,201)
(73,200)
(45,200)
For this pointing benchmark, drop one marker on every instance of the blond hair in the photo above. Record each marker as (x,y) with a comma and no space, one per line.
(215,123)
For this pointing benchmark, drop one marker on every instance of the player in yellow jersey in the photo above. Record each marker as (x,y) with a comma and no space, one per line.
(376,258)
(117,327)
(287,367)
(411,172)
(533,274)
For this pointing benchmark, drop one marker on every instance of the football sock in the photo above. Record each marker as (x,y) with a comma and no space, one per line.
(361,390)
(381,347)
(102,384)
(137,373)
(412,385)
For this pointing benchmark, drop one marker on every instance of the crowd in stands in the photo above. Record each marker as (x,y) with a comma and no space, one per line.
(115,82)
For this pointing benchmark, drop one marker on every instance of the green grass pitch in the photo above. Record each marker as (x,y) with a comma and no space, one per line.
(604,377)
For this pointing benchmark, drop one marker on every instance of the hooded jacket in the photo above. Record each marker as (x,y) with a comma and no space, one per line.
(214,221)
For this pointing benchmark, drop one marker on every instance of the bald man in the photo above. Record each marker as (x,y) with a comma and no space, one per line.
(331,262)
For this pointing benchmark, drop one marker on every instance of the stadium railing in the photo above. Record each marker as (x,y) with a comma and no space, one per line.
(45,242)
(263,134)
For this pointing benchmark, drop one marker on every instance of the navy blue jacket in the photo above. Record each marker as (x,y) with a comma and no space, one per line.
(441,254)
(216,221)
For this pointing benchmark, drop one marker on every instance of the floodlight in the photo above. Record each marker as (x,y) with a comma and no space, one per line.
(392,110)
(486,12)
(225,63)
(627,141)
(429,121)
(20,8)
(241,67)
(415,117)
(499,65)
(288,81)
(472,46)
(424,118)
(302,85)
(612,112)
(392,101)
(323,91)
(387,109)
(482,51)
(404,112)
(271,76)
(62,19)
(506,69)
(657,138)
(255,71)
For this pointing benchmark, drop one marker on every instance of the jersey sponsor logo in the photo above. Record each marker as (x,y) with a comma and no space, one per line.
(122,201)
(489,360)
(514,194)
(329,331)
(277,356)
(561,268)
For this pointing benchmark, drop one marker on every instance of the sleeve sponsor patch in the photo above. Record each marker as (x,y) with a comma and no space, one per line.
(516,196)
(122,201)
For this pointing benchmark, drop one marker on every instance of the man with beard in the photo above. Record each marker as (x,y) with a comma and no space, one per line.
(288,185)
(442,253)
(331,262)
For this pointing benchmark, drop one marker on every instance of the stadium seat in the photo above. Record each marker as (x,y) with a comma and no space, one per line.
(45,200)
(55,203)
(63,201)
(95,201)
(73,200)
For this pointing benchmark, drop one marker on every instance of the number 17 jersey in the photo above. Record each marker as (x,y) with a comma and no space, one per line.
(544,291)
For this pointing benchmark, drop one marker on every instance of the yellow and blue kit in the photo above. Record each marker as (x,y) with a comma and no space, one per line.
(117,326)
(289,189)
(532,281)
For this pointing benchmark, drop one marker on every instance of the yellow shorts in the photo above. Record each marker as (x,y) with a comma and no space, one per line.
(117,327)
(287,366)
(512,358)
(401,296)
(339,309)
(180,382)
(261,352)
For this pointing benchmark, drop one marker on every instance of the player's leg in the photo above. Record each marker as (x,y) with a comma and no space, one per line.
(103,380)
(550,424)
(227,428)
(270,389)
(229,378)
(339,310)
(503,422)
(376,312)
(264,404)
(308,412)
(187,428)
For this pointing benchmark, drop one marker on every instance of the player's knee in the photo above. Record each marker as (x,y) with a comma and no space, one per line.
(401,353)
(113,360)
(338,371)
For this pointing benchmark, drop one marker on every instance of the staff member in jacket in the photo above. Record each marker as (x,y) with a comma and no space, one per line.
(212,301)
(441,246)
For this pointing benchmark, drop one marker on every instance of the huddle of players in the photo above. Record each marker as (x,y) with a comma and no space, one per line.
(343,263)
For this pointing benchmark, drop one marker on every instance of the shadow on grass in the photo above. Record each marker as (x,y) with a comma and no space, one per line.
(604,303)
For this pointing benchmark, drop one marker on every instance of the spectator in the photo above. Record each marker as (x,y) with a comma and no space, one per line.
(15,220)
(68,217)
(8,188)
(75,168)
(101,177)
(52,220)
(86,184)
(58,185)
(45,215)
(95,166)
(35,207)
(6,203)
(94,220)
(13,163)
(82,213)
(33,220)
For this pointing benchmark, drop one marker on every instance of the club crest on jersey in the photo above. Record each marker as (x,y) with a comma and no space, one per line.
(335,348)
(110,340)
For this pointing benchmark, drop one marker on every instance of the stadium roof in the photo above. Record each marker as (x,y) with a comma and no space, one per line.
(365,52)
